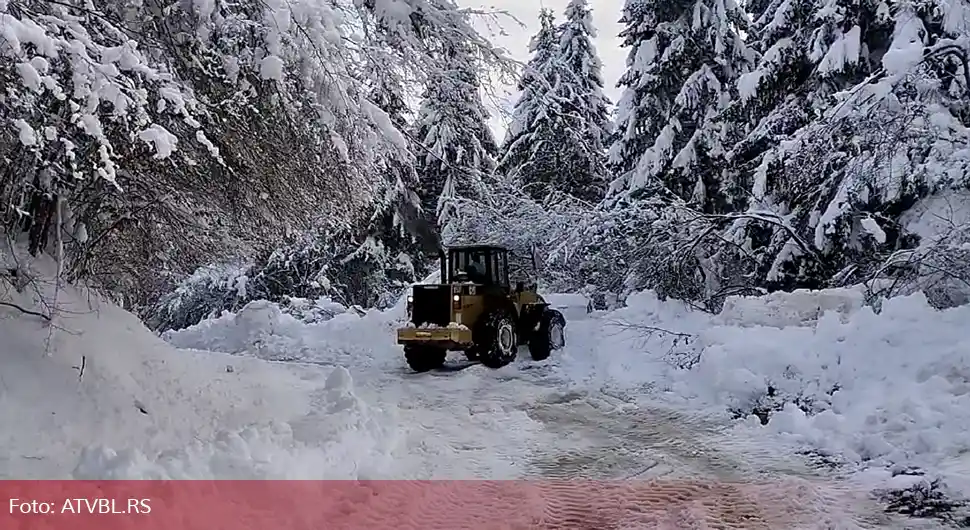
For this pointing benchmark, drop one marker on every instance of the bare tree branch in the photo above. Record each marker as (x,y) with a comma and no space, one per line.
(25,311)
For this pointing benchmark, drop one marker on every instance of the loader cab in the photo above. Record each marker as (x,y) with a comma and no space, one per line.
(481,264)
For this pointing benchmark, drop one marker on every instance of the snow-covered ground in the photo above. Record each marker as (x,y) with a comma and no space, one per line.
(848,397)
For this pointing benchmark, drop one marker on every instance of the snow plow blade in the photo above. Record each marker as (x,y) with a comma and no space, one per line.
(452,338)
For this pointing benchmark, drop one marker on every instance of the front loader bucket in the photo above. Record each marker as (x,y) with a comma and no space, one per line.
(452,338)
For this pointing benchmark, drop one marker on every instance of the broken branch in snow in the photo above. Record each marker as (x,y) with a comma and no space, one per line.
(25,311)
(683,359)
(955,50)
(772,219)
(80,369)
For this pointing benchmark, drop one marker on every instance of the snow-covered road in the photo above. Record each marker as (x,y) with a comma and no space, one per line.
(260,394)
(536,420)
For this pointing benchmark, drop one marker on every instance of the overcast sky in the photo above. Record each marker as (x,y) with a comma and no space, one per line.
(606,13)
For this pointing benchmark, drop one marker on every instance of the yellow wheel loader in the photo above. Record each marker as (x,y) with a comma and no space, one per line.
(475,309)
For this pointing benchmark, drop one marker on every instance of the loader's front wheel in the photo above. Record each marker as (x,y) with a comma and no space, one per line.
(424,358)
(496,343)
(550,336)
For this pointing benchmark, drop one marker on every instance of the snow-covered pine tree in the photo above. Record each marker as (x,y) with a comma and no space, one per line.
(683,63)
(391,225)
(456,150)
(561,122)
(828,155)
(808,51)
(385,84)
(587,109)
(852,116)
(532,147)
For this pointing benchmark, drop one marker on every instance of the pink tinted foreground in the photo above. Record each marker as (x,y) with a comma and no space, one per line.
(788,504)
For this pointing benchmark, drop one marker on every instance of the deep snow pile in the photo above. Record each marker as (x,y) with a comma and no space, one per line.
(109,399)
(265,330)
(823,371)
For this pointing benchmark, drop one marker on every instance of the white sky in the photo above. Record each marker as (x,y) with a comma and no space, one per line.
(515,40)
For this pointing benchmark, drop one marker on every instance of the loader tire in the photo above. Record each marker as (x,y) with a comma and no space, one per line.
(550,336)
(423,358)
(496,343)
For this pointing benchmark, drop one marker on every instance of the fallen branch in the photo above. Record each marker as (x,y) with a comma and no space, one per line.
(26,311)
(649,330)
(80,369)
(682,359)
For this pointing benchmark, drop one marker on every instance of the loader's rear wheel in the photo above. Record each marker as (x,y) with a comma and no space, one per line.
(550,336)
(496,343)
(423,358)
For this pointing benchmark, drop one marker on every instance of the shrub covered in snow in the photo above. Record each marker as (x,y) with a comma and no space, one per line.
(315,276)
(928,499)
(205,294)
(311,311)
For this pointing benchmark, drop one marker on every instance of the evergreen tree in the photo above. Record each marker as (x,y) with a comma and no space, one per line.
(837,143)
(386,88)
(809,51)
(531,148)
(561,120)
(457,148)
(587,108)
(389,224)
(683,62)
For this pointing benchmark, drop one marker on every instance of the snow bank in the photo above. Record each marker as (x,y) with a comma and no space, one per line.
(798,308)
(263,330)
(109,399)
(825,372)
(338,438)
(892,388)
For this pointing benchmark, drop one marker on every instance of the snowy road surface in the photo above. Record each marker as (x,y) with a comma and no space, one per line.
(540,420)
(259,394)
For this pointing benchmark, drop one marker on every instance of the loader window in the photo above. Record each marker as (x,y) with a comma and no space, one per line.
(472,265)
(502,271)
(499,269)
(456,265)
(477,267)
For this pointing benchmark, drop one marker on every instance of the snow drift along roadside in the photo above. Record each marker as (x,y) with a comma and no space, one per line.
(107,382)
(830,375)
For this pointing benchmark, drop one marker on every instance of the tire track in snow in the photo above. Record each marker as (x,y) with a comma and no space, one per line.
(696,467)
(689,441)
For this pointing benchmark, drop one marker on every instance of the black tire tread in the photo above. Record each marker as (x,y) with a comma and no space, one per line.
(540,346)
(486,340)
(424,358)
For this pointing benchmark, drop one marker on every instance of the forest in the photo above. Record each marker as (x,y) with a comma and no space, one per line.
(188,157)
